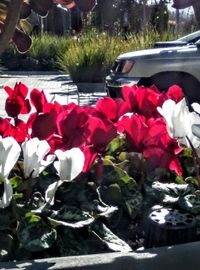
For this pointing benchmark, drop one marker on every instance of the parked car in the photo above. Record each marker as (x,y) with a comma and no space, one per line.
(188,39)
(162,67)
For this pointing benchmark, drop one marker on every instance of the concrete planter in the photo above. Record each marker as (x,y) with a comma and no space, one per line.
(90,87)
(178,257)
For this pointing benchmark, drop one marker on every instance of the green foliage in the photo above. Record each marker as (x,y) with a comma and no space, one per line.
(106,236)
(87,58)
(93,215)
(47,48)
(71,217)
(43,54)
(35,234)
(90,56)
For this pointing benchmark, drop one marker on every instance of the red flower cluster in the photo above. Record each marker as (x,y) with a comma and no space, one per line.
(93,128)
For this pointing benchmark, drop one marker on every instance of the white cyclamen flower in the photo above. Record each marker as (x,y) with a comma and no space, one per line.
(179,121)
(7,194)
(9,154)
(69,165)
(34,152)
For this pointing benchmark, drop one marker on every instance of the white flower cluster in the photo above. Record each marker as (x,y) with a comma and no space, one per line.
(69,164)
(182,124)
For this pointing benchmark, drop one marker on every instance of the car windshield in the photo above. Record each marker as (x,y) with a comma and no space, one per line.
(192,38)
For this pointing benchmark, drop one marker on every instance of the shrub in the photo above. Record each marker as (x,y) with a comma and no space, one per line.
(47,48)
(42,55)
(89,57)
(86,58)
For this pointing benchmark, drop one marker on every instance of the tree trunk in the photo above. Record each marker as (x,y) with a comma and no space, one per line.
(196,7)
(10,23)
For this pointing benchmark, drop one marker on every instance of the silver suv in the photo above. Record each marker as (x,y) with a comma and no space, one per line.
(162,67)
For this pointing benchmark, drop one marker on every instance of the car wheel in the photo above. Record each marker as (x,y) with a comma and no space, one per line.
(189,84)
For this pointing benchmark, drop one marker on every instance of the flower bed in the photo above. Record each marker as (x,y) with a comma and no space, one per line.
(81,179)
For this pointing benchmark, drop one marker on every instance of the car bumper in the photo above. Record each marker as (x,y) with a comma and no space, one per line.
(114,87)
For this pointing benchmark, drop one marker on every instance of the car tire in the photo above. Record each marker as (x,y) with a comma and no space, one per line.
(189,84)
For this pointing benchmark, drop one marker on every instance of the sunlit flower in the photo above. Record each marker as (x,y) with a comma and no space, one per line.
(69,165)
(101,133)
(179,121)
(159,148)
(112,109)
(9,154)
(34,152)
(16,103)
(7,194)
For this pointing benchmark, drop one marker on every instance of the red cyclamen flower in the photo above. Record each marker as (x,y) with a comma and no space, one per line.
(16,102)
(159,148)
(112,109)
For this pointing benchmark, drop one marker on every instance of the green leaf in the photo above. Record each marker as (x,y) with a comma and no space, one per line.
(115,145)
(106,211)
(26,26)
(170,192)
(133,202)
(109,238)
(6,245)
(180,180)
(15,181)
(70,243)
(192,180)
(191,203)
(187,152)
(112,194)
(35,234)
(124,177)
(7,217)
(113,174)
(123,156)
(71,216)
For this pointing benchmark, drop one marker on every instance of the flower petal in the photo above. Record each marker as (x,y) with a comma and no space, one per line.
(9,154)
(70,163)
(7,195)
(51,191)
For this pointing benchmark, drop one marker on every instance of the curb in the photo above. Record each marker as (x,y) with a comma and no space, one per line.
(179,257)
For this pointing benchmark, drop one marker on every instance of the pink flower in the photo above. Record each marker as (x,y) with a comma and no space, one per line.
(147,101)
(175,93)
(142,100)
(101,133)
(72,126)
(43,125)
(38,100)
(90,156)
(20,131)
(159,148)
(16,102)
(128,93)
(5,127)
(112,109)
(136,130)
